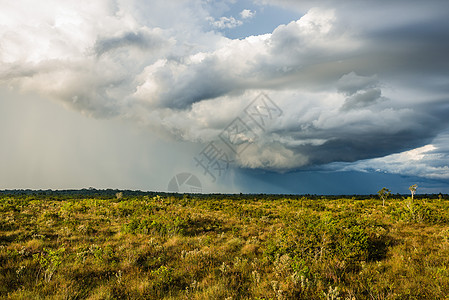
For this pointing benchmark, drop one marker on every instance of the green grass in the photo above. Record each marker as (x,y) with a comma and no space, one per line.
(144,247)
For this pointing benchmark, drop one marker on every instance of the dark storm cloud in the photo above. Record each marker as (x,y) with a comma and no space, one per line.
(356,80)
(369,133)
(204,81)
(351,83)
(360,91)
(362,99)
(430,161)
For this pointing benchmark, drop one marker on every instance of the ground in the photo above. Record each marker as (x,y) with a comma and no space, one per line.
(223,247)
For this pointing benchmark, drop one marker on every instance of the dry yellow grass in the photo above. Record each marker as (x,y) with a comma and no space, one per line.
(223,248)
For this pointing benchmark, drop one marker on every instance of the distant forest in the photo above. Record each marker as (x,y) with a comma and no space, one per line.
(111,193)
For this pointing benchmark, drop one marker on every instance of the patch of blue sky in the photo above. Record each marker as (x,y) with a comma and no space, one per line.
(264,19)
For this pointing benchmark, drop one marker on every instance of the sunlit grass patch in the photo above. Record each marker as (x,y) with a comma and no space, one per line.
(223,248)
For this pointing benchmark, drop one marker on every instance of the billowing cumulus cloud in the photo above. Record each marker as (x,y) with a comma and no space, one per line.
(350,87)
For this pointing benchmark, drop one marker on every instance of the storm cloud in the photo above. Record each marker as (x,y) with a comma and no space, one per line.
(355,81)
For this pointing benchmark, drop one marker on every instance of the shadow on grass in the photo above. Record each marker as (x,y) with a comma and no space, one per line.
(378,247)
(203,225)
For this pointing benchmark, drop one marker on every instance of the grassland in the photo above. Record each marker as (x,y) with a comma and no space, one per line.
(145,247)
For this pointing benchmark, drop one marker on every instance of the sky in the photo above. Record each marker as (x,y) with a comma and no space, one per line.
(254,96)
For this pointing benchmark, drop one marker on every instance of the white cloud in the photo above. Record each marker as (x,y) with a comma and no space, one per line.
(231,22)
(225,22)
(247,14)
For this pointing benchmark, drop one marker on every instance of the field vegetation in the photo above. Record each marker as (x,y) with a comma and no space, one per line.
(223,247)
